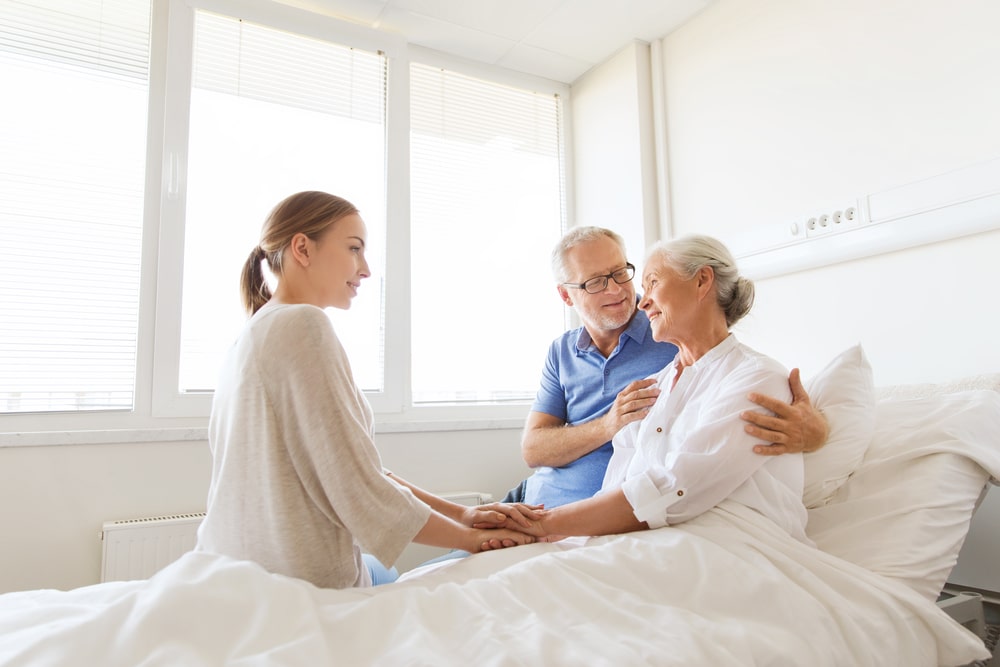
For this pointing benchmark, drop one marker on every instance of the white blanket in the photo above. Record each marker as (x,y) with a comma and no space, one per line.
(727,588)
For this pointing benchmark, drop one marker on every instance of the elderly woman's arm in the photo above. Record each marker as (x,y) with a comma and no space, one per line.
(607,513)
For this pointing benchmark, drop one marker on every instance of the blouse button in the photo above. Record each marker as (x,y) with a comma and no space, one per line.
(680,493)
(659,429)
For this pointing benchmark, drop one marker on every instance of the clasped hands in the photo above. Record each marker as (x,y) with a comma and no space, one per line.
(517,517)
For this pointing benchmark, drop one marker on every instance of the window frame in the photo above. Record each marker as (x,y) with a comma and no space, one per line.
(160,411)
(484,416)
(167,400)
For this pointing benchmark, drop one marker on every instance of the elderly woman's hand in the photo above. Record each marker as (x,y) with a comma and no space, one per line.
(488,540)
(795,427)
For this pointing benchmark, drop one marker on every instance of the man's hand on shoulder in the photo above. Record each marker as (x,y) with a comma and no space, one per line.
(791,428)
(632,404)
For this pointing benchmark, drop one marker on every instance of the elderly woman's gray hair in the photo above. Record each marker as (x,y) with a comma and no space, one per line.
(574,237)
(687,254)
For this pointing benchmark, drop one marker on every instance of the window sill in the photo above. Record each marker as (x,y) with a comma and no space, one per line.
(200,433)
(103,437)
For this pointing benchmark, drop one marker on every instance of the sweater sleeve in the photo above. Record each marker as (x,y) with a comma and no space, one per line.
(327,423)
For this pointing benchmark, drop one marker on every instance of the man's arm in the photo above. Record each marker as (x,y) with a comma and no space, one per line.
(793,428)
(548,441)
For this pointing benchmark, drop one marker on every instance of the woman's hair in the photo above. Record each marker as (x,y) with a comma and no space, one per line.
(310,213)
(574,237)
(687,254)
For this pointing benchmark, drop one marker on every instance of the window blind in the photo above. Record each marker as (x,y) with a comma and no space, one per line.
(487,206)
(240,58)
(72,157)
(272,113)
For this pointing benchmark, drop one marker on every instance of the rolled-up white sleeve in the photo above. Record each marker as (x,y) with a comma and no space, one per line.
(649,503)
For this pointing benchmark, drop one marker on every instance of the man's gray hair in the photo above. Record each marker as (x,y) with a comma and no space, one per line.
(574,237)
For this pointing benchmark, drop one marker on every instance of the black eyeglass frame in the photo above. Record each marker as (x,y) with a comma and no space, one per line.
(629,269)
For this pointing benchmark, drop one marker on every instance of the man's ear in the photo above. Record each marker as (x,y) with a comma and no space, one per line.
(564,295)
(301,247)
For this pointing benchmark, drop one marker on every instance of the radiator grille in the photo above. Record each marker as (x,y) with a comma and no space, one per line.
(139,548)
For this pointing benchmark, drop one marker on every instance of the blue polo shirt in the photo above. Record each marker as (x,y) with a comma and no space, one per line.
(578,385)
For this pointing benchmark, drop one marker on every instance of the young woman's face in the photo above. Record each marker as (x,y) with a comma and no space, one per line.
(340,261)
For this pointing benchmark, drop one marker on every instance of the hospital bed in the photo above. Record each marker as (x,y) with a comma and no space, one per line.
(890,500)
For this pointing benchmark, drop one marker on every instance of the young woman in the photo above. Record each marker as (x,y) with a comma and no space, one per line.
(297,484)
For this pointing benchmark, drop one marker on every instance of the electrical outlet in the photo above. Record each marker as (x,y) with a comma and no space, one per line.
(829,222)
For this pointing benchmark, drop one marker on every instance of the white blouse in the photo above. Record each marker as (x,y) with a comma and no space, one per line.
(691,451)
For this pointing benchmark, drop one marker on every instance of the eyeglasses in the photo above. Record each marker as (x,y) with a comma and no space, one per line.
(598,284)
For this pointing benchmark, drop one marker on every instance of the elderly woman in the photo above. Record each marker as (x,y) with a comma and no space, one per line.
(691,451)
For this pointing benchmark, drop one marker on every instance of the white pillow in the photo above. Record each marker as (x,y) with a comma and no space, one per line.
(905,512)
(845,392)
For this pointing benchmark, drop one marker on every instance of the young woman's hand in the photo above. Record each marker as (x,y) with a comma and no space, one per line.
(517,516)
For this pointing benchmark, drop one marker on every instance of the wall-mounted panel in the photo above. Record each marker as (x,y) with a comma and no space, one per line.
(955,204)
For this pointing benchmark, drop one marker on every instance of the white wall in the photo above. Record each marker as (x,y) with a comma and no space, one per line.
(613,158)
(53,499)
(777,108)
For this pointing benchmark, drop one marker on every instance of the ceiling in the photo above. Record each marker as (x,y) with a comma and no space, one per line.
(555,39)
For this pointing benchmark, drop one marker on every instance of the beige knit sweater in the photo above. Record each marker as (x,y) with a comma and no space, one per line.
(297,484)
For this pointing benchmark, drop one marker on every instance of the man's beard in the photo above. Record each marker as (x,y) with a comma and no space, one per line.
(611,322)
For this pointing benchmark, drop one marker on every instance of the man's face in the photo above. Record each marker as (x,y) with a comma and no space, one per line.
(612,308)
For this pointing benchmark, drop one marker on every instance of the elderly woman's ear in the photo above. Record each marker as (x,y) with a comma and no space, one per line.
(706,281)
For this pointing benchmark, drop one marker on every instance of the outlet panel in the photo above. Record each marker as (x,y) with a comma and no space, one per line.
(833,220)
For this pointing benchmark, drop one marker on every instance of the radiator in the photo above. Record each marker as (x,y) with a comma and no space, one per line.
(139,548)
(469,498)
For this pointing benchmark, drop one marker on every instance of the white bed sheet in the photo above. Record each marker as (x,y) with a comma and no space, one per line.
(727,588)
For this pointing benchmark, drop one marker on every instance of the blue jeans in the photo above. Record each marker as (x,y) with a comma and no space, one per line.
(380,573)
(451,555)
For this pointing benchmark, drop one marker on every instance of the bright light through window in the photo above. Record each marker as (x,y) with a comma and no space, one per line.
(248,111)
(273,114)
(73,77)
(487,208)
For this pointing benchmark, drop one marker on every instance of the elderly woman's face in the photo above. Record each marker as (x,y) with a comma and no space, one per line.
(669,301)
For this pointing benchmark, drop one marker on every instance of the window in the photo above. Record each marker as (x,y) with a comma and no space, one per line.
(74,77)
(486,209)
(262,104)
(140,160)
(273,113)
